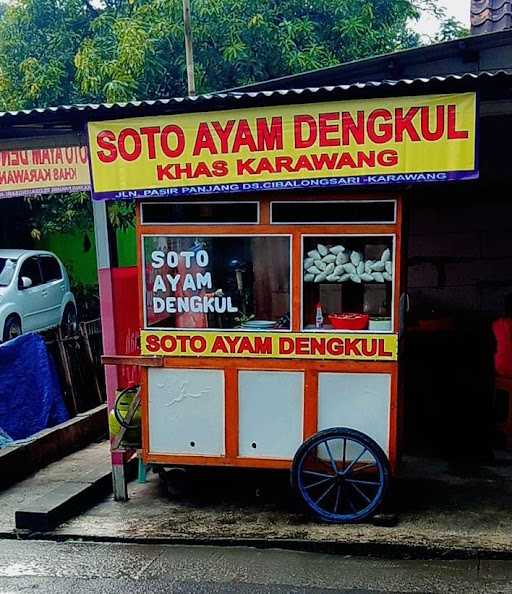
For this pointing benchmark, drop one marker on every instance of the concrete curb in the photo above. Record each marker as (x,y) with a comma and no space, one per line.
(380,550)
(64,502)
(21,460)
(70,499)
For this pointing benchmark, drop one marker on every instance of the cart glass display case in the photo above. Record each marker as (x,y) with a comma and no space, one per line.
(213,282)
(348,281)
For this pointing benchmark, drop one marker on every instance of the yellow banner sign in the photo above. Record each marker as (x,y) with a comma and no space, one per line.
(375,141)
(24,172)
(271,345)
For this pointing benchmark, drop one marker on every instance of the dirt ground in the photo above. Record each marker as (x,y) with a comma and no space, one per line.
(442,508)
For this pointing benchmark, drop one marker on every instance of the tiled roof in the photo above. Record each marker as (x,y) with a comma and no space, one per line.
(488,16)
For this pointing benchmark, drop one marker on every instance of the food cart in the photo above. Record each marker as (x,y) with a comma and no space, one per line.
(271,295)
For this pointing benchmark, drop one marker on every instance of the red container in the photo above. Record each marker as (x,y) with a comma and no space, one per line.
(349,321)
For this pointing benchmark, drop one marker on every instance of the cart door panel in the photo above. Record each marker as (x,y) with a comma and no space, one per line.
(357,401)
(186,411)
(270,413)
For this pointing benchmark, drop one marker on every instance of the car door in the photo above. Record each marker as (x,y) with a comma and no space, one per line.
(31,300)
(55,287)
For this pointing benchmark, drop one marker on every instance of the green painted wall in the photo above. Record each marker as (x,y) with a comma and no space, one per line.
(126,247)
(78,253)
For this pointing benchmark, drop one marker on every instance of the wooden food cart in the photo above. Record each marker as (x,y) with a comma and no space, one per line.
(270,318)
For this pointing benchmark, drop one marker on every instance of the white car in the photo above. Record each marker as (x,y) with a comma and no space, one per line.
(34,294)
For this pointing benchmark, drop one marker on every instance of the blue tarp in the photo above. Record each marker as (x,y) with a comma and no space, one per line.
(5,439)
(30,394)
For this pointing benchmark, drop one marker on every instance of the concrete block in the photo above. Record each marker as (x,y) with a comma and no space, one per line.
(493,299)
(64,502)
(446,245)
(422,275)
(474,217)
(452,210)
(492,216)
(446,299)
(463,273)
(497,270)
(442,218)
(478,272)
(422,218)
(496,244)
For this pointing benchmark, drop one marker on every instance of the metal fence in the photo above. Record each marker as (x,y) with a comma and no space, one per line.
(78,362)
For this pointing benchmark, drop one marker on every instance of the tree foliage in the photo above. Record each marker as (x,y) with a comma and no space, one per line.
(59,213)
(63,51)
(38,42)
(450,29)
(137,51)
(67,51)
(65,213)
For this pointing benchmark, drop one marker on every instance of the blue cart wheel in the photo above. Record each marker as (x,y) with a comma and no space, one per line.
(341,474)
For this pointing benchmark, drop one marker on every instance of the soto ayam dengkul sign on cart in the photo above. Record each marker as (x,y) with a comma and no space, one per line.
(343,347)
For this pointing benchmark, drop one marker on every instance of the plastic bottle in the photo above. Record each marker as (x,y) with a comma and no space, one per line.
(319,318)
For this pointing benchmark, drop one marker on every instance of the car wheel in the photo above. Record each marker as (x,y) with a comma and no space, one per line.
(12,328)
(69,323)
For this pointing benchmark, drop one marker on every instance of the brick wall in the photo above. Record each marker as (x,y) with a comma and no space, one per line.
(459,253)
(459,257)
(460,236)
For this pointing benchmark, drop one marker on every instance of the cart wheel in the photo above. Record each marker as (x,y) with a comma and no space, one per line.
(341,474)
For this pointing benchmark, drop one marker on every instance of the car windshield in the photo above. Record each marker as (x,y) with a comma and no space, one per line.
(7,268)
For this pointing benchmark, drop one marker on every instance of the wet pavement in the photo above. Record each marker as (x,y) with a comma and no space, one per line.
(442,512)
(48,567)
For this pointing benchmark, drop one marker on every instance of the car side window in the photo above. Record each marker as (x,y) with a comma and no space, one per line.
(50,268)
(30,269)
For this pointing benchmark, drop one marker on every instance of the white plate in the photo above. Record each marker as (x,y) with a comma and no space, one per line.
(258,324)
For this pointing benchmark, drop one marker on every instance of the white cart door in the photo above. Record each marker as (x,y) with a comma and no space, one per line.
(186,412)
(358,401)
(271,407)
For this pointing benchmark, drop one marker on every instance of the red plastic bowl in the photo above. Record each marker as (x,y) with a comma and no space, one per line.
(349,321)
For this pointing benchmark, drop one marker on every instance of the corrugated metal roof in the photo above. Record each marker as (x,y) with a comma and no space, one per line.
(475,53)
(232,98)
(490,15)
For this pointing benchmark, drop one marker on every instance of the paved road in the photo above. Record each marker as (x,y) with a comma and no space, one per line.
(77,567)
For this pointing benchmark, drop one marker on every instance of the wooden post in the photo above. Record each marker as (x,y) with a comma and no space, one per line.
(88,352)
(189,53)
(106,297)
(119,458)
(67,372)
(119,478)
